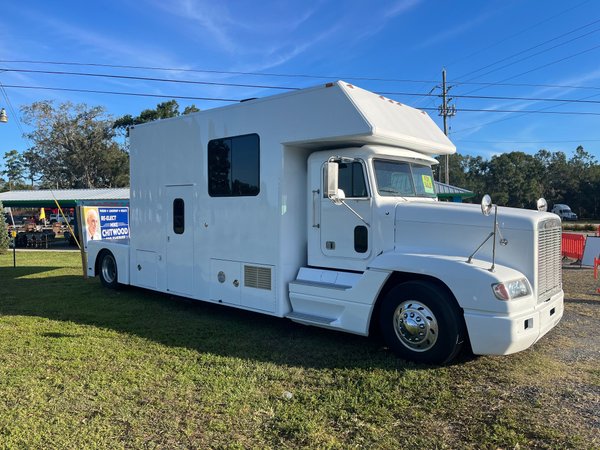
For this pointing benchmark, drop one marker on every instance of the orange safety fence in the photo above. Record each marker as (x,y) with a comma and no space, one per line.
(572,245)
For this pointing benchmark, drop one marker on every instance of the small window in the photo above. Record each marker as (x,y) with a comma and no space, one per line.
(234,166)
(178,216)
(361,239)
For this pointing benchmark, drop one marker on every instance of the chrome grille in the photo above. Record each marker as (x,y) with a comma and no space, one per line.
(549,276)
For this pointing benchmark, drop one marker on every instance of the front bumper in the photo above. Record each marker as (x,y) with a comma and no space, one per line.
(502,334)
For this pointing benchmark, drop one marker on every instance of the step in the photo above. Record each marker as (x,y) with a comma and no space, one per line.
(309,318)
(321,284)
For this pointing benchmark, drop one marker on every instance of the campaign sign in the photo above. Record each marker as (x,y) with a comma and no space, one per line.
(105,222)
(114,222)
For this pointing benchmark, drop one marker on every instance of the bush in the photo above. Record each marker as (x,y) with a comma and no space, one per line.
(4,238)
(579,227)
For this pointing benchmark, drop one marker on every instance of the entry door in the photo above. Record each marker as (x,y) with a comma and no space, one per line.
(343,233)
(180,240)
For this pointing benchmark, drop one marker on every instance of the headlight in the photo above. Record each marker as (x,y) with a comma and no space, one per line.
(510,290)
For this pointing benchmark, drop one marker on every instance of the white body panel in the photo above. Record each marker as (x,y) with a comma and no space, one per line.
(289,251)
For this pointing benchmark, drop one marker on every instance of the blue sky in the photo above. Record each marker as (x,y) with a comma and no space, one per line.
(516,42)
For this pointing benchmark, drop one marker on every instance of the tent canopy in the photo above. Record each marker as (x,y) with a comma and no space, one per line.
(67,198)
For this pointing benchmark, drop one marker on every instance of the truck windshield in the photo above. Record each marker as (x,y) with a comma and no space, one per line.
(403,179)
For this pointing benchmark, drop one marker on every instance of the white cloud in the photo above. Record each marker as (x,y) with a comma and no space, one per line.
(401,7)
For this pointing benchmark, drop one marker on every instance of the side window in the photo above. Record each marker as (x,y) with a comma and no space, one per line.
(178,216)
(351,179)
(234,166)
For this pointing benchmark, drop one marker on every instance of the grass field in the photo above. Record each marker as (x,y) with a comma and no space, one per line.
(84,367)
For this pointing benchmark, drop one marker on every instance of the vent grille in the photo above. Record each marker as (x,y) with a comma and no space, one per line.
(549,259)
(257,277)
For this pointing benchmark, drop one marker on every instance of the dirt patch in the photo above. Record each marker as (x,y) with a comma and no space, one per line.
(577,344)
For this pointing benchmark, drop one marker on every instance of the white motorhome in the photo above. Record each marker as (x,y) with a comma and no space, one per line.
(318,205)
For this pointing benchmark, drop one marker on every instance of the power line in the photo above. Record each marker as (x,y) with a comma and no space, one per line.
(532,48)
(531,27)
(135,94)
(522,111)
(495,97)
(221,72)
(540,67)
(10,106)
(543,110)
(162,80)
(255,86)
(328,77)
(557,86)
(518,33)
(217,99)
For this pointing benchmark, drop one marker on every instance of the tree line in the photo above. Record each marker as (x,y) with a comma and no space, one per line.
(518,179)
(76,146)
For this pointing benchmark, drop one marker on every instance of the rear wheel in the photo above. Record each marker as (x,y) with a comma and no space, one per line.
(108,270)
(420,322)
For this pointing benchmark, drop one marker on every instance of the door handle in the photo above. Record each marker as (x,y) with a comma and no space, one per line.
(315,194)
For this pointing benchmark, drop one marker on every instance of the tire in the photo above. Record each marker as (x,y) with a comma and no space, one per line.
(107,269)
(420,322)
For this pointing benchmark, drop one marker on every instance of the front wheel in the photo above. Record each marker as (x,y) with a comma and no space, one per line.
(420,322)
(108,270)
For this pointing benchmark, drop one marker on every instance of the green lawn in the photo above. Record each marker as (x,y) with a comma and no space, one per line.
(85,367)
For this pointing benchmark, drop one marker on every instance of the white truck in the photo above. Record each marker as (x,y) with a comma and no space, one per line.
(564,212)
(319,206)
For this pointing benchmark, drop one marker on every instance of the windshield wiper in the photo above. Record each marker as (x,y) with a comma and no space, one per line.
(391,191)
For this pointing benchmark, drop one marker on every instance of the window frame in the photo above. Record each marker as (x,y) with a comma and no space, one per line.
(410,165)
(365,180)
(231,180)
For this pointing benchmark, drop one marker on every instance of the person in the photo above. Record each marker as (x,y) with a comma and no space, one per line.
(92,222)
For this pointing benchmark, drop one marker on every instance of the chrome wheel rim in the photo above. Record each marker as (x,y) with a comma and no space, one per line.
(415,326)
(109,269)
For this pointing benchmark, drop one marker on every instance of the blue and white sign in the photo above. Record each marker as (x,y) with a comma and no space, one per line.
(114,223)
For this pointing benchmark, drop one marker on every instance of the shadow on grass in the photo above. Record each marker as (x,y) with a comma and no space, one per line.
(177,322)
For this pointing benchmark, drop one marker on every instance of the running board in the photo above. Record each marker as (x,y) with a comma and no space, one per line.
(309,319)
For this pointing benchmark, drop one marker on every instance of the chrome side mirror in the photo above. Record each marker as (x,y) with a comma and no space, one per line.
(332,170)
(486,205)
(542,205)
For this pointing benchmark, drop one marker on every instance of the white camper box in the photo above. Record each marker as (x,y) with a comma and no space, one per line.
(241,205)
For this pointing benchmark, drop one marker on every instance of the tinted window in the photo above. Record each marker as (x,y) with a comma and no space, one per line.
(178,216)
(233,166)
(351,180)
(361,239)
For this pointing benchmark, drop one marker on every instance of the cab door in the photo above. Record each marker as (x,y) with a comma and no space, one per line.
(342,233)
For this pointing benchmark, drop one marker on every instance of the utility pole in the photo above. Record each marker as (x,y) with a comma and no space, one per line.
(446,111)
